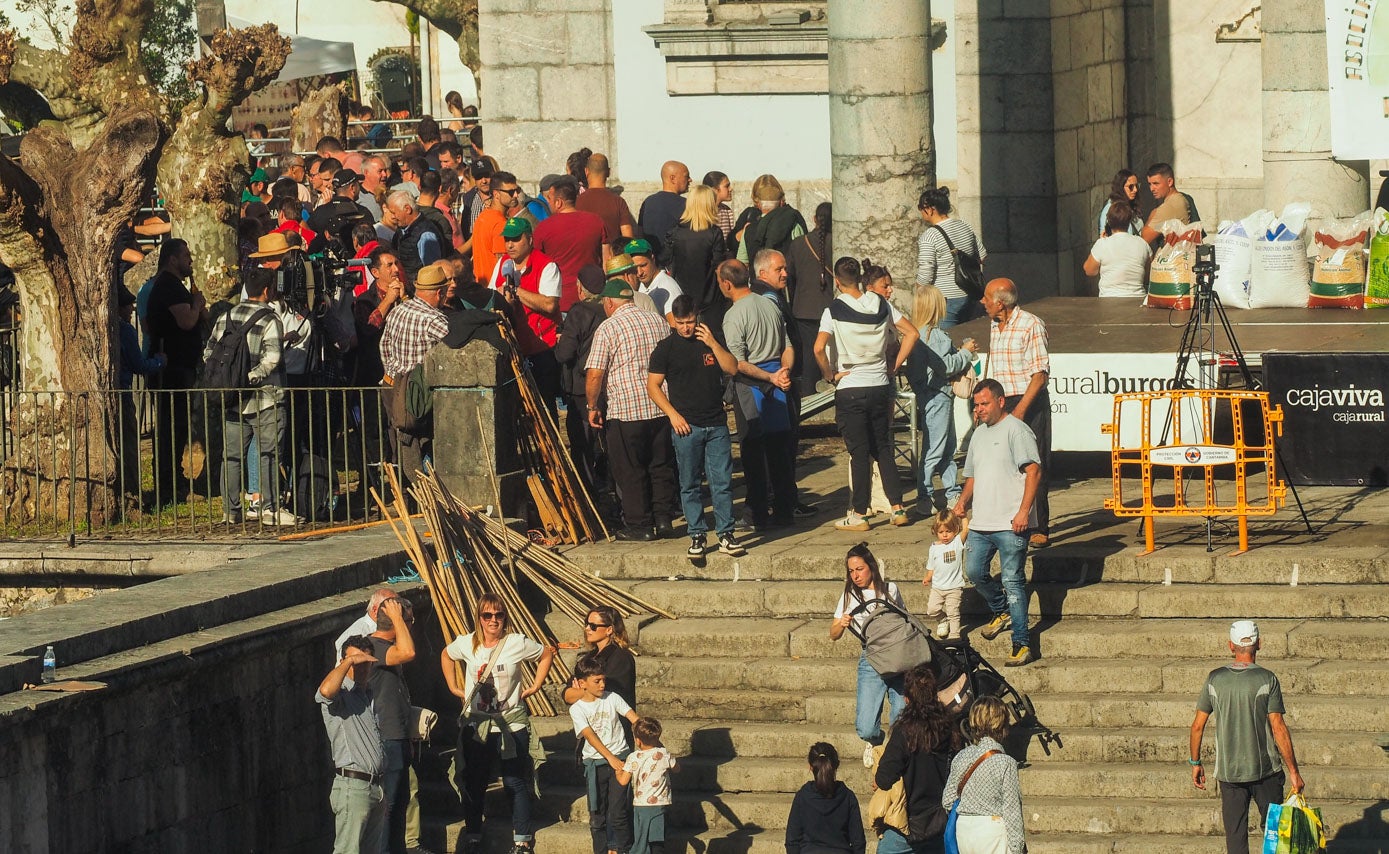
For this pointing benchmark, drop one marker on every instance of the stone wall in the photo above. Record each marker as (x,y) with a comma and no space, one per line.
(547,87)
(1089,109)
(1007,159)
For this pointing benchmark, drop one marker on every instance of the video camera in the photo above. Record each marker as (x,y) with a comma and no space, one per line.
(1205,268)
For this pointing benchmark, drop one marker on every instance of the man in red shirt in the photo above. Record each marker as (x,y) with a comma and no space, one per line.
(572,238)
(287,213)
(599,200)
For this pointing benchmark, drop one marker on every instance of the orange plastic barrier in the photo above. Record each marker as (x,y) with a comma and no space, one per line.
(1195,452)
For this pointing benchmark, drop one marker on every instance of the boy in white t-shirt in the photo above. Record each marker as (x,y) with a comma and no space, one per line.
(597,717)
(648,770)
(945,563)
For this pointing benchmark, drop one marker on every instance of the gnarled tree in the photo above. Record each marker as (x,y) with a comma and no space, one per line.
(81,176)
(458,18)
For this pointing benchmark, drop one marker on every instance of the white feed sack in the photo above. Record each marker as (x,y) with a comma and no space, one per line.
(1280,272)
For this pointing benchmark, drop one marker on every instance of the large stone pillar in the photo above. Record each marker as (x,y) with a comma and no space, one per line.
(881,151)
(1297,116)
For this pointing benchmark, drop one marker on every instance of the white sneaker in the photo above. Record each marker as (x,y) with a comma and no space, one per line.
(279,517)
(867,755)
(942,630)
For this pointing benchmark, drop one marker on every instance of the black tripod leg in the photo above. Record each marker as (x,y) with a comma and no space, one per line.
(1278,453)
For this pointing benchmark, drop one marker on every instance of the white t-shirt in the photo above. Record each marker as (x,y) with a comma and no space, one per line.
(847,604)
(650,770)
(1123,260)
(663,290)
(604,716)
(946,561)
(868,374)
(502,691)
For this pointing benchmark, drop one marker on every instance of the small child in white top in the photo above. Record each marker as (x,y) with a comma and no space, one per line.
(945,573)
(648,770)
(597,717)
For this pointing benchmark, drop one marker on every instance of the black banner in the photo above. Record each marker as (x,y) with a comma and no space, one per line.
(1335,427)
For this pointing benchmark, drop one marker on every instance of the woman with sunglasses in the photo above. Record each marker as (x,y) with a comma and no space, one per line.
(494,731)
(606,636)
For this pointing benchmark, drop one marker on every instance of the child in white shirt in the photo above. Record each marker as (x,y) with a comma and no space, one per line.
(945,563)
(597,717)
(648,770)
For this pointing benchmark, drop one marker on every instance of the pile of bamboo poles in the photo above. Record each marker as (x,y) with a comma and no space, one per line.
(566,511)
(470,553)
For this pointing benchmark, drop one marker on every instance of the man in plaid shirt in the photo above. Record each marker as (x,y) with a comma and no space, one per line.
(412,329)
(1018,360)
(260,413)
(640,452)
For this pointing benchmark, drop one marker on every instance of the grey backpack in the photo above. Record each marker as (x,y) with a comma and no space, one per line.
(893,639)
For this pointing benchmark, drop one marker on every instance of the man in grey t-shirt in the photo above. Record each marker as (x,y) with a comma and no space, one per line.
(1002,473)
(349,715)
(1251,737)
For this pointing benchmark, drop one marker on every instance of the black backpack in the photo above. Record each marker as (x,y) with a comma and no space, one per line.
(969,270)
(230,362)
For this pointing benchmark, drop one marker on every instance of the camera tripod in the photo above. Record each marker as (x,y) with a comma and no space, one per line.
(1199,345)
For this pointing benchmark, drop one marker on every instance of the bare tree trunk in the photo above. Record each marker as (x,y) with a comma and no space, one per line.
(322,113)
(458,18)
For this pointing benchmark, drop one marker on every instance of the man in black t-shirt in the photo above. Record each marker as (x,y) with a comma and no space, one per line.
(174,315)
(694,365)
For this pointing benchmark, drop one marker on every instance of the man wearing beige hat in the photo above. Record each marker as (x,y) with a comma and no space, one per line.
(412,329)
(1250,734)
(624,267)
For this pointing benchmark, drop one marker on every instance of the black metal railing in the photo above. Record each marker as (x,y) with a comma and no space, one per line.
(185,463)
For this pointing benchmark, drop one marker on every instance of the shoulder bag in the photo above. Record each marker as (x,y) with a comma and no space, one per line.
(951,845)
(963,385)
(969,270)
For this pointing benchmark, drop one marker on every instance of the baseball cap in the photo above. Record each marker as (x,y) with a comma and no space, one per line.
(343,177)
(591,277)
(637,247)
(549,181)
(619,264)
(1244,632)
(515,227)
(617,289)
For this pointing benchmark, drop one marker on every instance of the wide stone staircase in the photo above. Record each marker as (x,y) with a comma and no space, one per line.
(747,678)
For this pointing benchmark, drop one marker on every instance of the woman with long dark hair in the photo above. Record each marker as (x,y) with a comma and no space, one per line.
(860,325)
(574,167)
(825,815)
(723,192)
(864,583)
(918,753)
(605,633)
(1124,188)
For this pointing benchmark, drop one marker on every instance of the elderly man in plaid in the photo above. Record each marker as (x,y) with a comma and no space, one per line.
(259,413)
(640,452)
(414,327)
(1018,360)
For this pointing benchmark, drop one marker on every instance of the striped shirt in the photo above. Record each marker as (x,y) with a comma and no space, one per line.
(934,263)
(622,346)
(1017,350)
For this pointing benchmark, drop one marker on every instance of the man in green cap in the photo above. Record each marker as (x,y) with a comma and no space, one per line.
(654,282)
(530,282)
(640,454)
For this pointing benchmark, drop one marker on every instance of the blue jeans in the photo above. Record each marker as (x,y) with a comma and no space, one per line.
(1009,594)
(937,423)
(959,310)
(707,451)
(868,704)
(895,843)
(481,763)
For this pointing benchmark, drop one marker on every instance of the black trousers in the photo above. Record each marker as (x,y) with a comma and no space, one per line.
(642,462)
(545,368)
(769,472)
(1039,419)
(806,371)
(171,431)
(1234,808)
(583,445)
(864,416)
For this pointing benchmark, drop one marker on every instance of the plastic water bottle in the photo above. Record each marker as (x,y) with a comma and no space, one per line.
(50,664)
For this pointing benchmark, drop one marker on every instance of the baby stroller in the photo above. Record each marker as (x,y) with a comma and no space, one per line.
(895,642)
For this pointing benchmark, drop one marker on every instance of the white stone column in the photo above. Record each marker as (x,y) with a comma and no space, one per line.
(1297,116)
(881,151)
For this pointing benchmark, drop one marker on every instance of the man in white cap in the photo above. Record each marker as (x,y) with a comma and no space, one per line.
(1251,736)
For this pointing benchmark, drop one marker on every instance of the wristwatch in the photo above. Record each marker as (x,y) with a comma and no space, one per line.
(1193,762)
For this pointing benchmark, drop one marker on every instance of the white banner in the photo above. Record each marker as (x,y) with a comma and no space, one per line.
(1082,389)
(1357,53)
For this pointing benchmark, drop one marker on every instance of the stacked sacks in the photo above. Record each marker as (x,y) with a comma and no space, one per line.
(1377,286)
(1171,276)
(1338,271)
(1234,250)
(1279,276)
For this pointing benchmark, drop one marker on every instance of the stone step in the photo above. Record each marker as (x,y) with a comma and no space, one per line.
(1078,818)
(1142,676)
(1315,748)
(1065,563)
(1073,637)
(812,599)
(705,775)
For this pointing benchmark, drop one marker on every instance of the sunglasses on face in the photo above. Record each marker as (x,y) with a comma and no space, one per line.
(493,615)
(593,627)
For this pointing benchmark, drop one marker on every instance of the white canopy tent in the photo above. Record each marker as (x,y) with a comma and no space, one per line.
(310,57)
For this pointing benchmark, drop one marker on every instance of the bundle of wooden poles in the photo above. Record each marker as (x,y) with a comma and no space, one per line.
(566,511)
(466,553)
